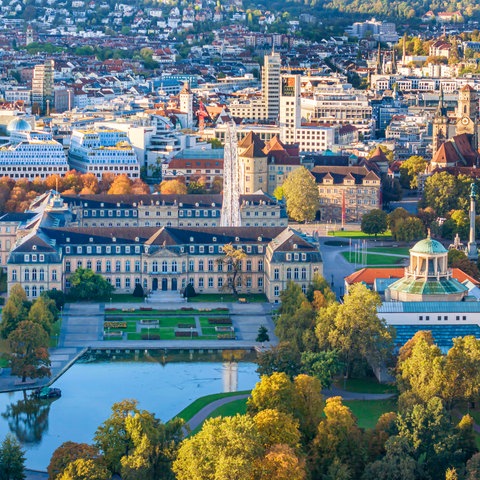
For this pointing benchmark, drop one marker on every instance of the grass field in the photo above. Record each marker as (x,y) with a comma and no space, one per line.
(227,297)
(359,234)
(125,298)
(145,313)
(365,385)
(369,411)
(395,250)
(372,258)
(188,412)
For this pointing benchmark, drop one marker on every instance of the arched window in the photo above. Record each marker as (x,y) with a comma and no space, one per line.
(164,266)
(42,275)
(289,273)
(26,275)
(34,291)
(34,274)
(174,266)
(154,266)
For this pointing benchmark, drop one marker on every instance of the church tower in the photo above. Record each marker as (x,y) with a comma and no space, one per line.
(186,104)
(440,125)
(467,110)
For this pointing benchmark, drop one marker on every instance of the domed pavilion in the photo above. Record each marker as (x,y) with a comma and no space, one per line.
(427,278)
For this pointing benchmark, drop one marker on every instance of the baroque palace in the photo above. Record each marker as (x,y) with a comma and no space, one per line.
(157,257)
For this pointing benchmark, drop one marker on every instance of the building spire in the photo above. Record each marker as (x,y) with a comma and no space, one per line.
(404,53)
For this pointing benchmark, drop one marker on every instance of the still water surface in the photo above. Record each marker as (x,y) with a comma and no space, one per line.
(89,389)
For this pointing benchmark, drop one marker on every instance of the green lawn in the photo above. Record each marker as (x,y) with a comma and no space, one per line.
(125,298)
(369,411)
(395,250)
(142,313)
(55,333)
(365,385)
(188,412)
(359,234)
(372,258)
(227,297)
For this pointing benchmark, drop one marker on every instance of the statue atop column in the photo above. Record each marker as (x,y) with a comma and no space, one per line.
(472,252)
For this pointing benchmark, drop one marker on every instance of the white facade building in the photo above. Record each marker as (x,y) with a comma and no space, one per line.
(103,150)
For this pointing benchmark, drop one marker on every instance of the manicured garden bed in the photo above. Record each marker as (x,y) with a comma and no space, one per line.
(372,258)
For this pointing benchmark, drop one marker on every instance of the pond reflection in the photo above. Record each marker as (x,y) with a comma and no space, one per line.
(28,418)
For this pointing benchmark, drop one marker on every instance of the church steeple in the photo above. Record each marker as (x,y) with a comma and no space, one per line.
(404,52)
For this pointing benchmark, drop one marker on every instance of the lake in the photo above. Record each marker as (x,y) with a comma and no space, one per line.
(162,385)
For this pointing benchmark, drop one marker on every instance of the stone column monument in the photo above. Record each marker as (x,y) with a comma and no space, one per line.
(472,251)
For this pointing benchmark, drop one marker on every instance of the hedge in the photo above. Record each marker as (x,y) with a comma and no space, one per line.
(193,333)
(220,321)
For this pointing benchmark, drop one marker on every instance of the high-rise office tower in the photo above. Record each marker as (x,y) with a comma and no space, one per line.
(42,87)
(271,85)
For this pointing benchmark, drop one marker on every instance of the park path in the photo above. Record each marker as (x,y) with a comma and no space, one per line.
(202,414)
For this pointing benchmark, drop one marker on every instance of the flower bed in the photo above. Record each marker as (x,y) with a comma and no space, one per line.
(226,336)
(187,309)
(186,325)
(146,309)
(186,333)
(220,309)
(220,321)
(113,335)
(224,329)
(114,324)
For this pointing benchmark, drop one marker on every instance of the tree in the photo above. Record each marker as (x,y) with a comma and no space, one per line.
(445,192)
(138,291)
(29,351)
(397,464)
(197,186)
(296,321)
(86,285)
(173,187)
(12,459)
(67,453)
(279,358)
(224,448)
(409,229)
(281,463)
(84,469)
(15,310)
(136,444)
(262,334)
(41,312)
(122,185)
(462,371)
(338,437)
(322,365)
(473,467)
(301,194)
(374,222)
(232,259)
(57,296)
(355,330)
(410,169)
(278,193)
(318,286)
(421,373)
(276,427)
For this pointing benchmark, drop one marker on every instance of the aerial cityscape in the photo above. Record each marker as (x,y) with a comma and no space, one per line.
(239,241)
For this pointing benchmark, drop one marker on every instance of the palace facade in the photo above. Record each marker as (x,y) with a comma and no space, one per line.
(165,258)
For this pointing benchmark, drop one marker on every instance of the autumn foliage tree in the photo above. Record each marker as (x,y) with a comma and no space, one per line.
(301,194)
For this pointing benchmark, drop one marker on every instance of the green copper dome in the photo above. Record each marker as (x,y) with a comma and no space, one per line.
(428,246)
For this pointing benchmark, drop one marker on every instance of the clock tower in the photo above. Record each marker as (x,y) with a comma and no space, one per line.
(467,110)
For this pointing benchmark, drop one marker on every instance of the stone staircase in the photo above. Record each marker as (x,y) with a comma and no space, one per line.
(165,296)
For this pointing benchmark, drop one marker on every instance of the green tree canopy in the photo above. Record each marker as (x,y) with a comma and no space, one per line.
(301,194)
(29,351)
(86,285)
(374,222)
(15,310)
(410,169)
(12,459)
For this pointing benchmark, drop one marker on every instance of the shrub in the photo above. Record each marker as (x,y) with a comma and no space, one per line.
(184,333)
(189,291)
(146,309)
(185,325)
(187,309)
(220,321)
